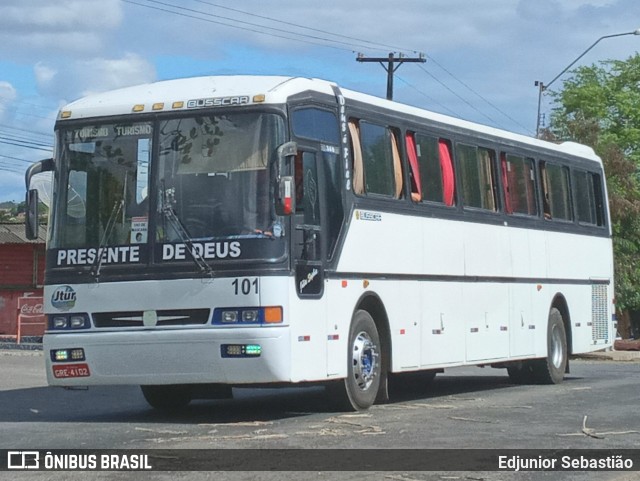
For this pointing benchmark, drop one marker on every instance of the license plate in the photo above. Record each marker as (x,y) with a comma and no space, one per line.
(71,370)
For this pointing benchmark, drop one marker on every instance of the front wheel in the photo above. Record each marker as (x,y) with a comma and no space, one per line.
(167,398)
(359,389)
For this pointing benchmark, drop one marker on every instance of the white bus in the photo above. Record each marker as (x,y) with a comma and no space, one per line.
(250,230)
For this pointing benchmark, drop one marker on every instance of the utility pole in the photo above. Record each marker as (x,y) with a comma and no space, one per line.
(392,64)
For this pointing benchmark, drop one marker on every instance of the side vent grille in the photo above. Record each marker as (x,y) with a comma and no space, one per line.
(599,313)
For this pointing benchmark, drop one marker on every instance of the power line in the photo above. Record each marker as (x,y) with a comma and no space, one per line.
(340,42)
(428,97)
(464,84)
(253,30)
(326,32)
(29,143)
(458,96)
(33,132)
(251,25)
(24,138)
(16,158)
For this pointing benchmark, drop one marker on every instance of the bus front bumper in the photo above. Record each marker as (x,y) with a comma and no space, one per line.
(191,356)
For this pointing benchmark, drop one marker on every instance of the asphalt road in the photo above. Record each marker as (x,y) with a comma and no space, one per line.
(463,408)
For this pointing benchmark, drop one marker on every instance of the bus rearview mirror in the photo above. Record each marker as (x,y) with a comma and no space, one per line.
(286,189)
(32,223)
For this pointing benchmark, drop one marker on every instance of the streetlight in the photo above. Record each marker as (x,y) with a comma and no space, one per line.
(542,86)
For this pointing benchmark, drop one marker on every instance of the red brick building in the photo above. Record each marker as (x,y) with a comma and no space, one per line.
(21,281)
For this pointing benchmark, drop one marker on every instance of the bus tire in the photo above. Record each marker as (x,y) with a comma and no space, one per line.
(167,398)
(551,369)
(416,382)
(359,389)
(521,372)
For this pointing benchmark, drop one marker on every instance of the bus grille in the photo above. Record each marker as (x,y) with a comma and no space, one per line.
(599,313)
(173,317)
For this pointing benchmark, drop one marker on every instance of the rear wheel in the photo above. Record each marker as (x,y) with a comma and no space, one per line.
(521,372)
(551,369)
(167,398)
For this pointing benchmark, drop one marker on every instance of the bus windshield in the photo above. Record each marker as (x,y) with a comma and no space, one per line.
(102,185)
(213,176)
(208,177)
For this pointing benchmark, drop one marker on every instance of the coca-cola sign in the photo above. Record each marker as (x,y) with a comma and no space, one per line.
(32,309)
(31,306)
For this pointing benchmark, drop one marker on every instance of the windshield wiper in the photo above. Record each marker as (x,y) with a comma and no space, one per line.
(173,219)
(111,222)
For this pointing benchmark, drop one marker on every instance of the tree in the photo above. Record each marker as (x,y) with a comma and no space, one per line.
(599,106)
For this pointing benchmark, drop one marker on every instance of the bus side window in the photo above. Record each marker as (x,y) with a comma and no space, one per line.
(377,167)
(588,198)
(477,176)
(432,177)
(556,190)
(519,184)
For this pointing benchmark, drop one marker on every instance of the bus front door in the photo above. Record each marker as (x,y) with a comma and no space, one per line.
(308,246)
(309,307)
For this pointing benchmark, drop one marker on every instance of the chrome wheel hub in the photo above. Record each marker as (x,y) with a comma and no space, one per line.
(364,357)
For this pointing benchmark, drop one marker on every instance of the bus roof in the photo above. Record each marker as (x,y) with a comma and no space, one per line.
(201,92)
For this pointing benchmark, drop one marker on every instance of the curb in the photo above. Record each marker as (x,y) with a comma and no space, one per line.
(610,356)
(28,343)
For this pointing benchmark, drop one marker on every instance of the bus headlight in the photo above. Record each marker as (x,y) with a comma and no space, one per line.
(248,315)
(77,322)
(229,316)
(59,322)
(67,322)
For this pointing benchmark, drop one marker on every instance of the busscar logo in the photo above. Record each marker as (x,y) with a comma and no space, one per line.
(23,460)
(218,102)
(368,216)
(63,298)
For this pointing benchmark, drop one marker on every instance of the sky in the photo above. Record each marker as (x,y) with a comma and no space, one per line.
(482,57)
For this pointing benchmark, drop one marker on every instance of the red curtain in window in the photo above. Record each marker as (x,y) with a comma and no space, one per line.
(416,182)
(506,181)
(448,180)
(527,177)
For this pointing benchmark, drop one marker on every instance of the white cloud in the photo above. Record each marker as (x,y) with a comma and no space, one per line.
(8,94)
(62,15)
(84,77)
(58,27)
(44,73)
(7,91)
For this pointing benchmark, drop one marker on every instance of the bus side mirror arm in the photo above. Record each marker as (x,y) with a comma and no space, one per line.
(286,185)
(31,214)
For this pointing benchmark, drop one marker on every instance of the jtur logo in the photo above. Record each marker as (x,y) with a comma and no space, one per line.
(63,298)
